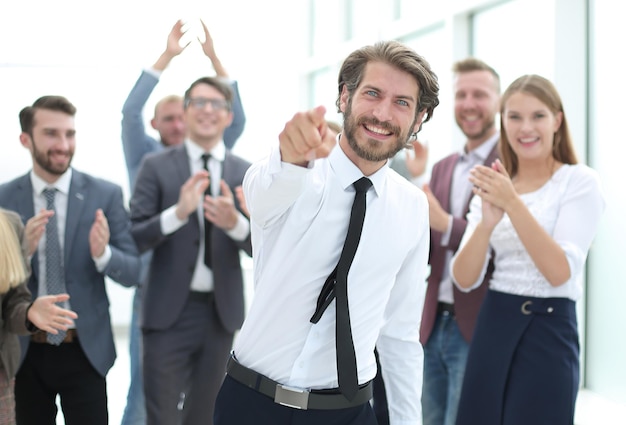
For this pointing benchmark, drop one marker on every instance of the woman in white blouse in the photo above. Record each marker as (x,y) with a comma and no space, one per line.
(536,213)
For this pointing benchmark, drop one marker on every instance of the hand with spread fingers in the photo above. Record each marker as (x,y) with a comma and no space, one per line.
(220,210)
(190,194)
(35,228)
(416,163)
(495,188)
(48,316)
(99,234)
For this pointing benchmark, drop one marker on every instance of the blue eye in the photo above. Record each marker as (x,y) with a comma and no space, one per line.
(403,102)
(372,93)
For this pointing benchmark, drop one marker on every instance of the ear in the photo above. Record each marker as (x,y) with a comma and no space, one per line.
(343,99)
(25,140)
(231,115)
(153,123)
(418,121)
(558,120)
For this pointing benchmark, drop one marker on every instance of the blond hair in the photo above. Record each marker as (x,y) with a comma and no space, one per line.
(12,265)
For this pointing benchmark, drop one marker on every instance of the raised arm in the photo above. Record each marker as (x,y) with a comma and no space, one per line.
(232,132)
(136,142)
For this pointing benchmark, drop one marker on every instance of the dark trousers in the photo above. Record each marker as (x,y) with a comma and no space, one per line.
(64,370)
(238,404)
(189,358)
(380,396)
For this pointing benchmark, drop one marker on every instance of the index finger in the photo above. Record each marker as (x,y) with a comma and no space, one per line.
(316,116)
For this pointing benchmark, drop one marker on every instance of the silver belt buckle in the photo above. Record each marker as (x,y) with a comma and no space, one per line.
(291,397)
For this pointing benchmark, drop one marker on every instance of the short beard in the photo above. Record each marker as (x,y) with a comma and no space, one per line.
(42,159)
(368,150)
(485,129)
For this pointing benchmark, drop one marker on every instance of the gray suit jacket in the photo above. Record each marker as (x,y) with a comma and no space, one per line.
(174,256)
(88,297)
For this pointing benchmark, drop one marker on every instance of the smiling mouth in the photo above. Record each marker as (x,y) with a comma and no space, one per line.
(377,130)
(528,140)
(57,154)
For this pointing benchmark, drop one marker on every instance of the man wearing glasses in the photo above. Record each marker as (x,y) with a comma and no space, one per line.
(184,210)
(137,143)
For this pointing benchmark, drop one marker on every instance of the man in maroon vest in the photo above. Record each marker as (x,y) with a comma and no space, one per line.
(449,315)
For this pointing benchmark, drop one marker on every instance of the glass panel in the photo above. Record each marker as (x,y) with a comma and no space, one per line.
(323,91)
(328,24)
(502,39)
(437,132)
(606,316)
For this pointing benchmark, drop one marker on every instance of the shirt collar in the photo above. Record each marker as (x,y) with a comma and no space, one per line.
(483,151)
(348,173)
(195,151)
(62,184)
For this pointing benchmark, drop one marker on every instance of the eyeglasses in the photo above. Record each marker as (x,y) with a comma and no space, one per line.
(201,102)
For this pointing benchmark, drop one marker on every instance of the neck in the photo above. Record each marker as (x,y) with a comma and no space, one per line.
(473,143)
(46,176)
(207,144)
(367,167)
(536,170)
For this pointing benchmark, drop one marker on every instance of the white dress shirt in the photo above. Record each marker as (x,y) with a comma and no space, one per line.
(202,279)
(568,207)
(299,222)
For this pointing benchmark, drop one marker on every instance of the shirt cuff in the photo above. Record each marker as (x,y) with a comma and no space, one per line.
(445,237)
(103,261)
(170,222)
(241,230)
(154,72)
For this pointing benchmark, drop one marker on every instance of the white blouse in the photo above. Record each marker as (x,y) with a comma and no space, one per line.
(569,207)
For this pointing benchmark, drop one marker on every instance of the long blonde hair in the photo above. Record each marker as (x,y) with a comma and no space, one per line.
(12,265)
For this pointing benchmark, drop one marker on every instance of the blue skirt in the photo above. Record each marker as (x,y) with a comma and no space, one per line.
(523,363)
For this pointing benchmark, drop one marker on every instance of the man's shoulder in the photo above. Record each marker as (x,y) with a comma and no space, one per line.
(91,180)
(162,154)
(7,187)
(401,184)
(447,159)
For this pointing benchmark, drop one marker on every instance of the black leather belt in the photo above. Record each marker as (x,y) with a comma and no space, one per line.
(445,308)
(296,398)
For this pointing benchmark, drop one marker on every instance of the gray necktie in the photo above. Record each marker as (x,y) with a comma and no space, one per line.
(55,273)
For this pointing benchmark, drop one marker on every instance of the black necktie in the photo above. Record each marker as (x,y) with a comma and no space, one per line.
(336,286)
(207,224)
(55,274)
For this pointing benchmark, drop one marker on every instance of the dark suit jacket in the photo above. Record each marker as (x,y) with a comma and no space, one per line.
(466,305)
(84,283)
(157,188)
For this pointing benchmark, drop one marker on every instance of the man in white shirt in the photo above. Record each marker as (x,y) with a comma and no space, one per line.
(284,364)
